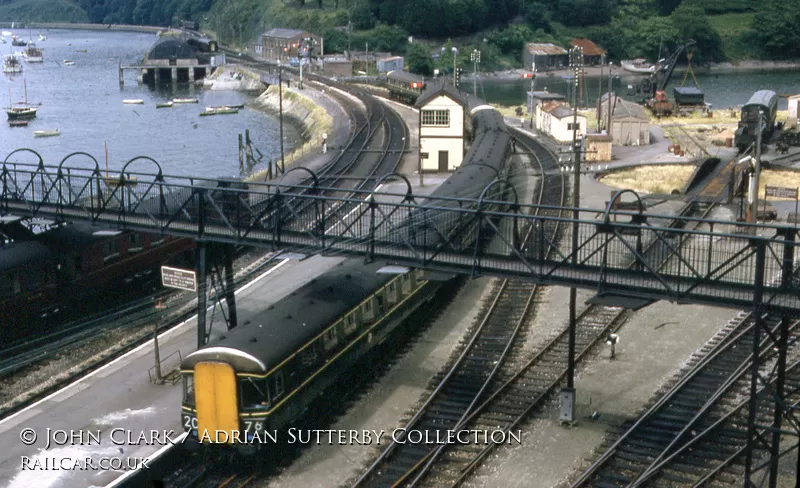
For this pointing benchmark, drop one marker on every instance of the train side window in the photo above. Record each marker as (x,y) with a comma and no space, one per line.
(188,388)
(329,339)
(254,392)
(367,314)
(308,356)
(110,250)
(406,283)
(276,385)
(135,242)
(391,292)
(379,304)
(349,323)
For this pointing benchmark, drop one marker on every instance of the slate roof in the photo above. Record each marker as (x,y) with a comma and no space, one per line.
(283,33)
(435,90)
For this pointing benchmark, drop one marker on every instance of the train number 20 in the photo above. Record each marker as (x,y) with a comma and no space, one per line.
(189,422)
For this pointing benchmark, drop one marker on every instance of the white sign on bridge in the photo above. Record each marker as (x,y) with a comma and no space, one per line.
(183,279)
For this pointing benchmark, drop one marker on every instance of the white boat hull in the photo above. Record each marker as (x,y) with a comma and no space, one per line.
(46,133)
(133,102)
(642,70)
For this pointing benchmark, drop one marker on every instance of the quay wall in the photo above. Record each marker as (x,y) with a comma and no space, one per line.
(302,112)
(84,26)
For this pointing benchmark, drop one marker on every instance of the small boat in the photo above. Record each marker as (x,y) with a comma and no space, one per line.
(33,54)
(16,41)
(20,110)
(2,40)
(68,62)
(639,65)
(223,107)
(46,133)
(42,37)
(164,105)
(11,64)
(80,50)
(133,101)
(18,123)
(185,100)
(220,111)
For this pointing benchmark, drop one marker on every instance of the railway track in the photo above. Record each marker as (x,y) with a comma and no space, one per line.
(514,394)
(504,317)
(699,425)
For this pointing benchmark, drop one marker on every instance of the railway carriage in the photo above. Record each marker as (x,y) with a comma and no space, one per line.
(261,376)
(404,86)
(764,102)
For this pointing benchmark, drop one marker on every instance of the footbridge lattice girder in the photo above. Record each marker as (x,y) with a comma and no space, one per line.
(715,264)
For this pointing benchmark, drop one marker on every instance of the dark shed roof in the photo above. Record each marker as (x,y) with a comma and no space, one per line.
(405,76)
(444,89)
(281,33)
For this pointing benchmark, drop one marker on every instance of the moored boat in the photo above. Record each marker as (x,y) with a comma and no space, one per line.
(11,64)
(18,123)
(42,37)
(220,111)
(20,110)
(16,41)
(185,100)
(164,105)
(223,107)
(68,62)
(639,65)
(133,101)
(46,133)
(33,54)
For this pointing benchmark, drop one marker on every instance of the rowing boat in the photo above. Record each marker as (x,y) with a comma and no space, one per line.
(133,101)
(46,133)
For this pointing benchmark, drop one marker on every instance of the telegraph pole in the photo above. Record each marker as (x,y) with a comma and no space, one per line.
(568,393)
(756,172)
(455,55)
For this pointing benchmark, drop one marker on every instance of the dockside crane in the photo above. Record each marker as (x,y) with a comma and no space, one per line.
(651,90)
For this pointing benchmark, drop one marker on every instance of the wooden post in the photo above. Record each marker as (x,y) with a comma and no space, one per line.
(241,156)
(121,76)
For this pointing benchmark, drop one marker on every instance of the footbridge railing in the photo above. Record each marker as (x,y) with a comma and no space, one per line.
(719,263)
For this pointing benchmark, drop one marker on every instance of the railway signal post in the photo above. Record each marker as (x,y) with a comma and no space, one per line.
(475,57)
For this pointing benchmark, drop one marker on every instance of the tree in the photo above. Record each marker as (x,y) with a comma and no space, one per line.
(419,59)
(362,17)
(512,39)
(583,12)
(692,23)
(777,30)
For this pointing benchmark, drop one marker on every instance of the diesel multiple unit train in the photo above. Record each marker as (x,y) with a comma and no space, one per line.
(758,114)
(262,375)
(59,267)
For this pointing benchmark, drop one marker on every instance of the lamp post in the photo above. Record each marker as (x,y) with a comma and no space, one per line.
(475,57)
(753,194)
(280,114)
(455,56)
(568,394)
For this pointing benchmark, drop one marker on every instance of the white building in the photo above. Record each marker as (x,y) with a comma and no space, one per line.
(556,121)
(794,104)
(442,115)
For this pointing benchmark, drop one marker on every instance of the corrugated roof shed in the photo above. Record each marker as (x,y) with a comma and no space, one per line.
(629,109)
(546,49)
(391,58)
(545,95)
(283,33)
(561,112)
(405,76)
(589,48)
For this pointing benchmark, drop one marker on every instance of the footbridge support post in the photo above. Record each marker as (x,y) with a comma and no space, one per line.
(201,294)
(230,296)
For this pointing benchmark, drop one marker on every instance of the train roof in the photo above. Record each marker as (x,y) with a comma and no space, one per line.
(272,335)
(22,253)
(766,98)
(75,235)
(404,76)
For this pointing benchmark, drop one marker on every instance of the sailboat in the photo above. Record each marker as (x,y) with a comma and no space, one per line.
(20,110)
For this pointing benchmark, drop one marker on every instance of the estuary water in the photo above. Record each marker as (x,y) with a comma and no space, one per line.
(84,101)
(722,89)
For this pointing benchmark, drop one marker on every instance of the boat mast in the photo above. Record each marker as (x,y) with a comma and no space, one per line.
(25,85)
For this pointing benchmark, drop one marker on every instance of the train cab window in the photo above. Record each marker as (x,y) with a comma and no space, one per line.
(406,283)
(329,339)
(379,304)
(350,324)
(135,243)
(308,356)
(188,389)
(254,392)
(110,250)
(276,385)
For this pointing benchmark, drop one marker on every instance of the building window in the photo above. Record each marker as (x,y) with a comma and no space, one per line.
(436,117)
(571,126)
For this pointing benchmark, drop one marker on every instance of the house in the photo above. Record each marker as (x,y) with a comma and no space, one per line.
(546,56)
(392,63)
(630,125)
(557,121)
(337,67)
(794,105)
(592,53)
(284,44)
(442,124)
(536,99)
